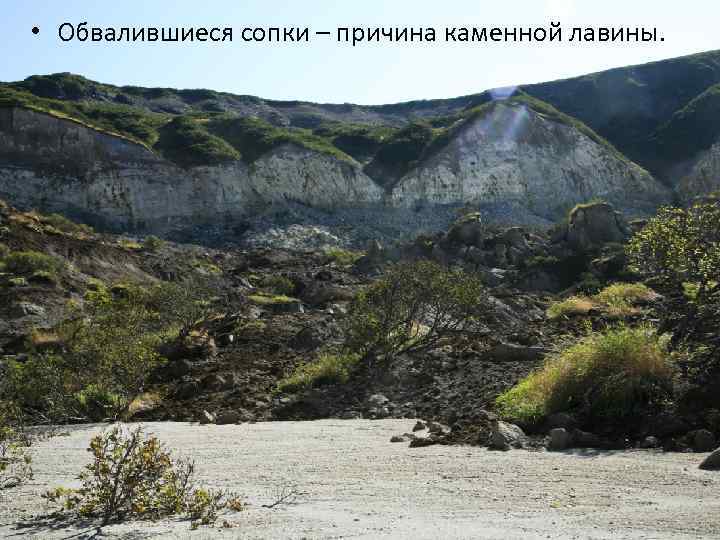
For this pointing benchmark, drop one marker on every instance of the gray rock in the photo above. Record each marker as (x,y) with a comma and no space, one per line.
(559,439)
(592,225)
(509,352)
(377,400)
(712,462)
(206,418)
(560,420)
(650,442)
(419,426)
(505,435)
(397,438)
(437,428)
(585,439)
(351,415)
(228,417)
(25,309)
(187,390)
(704,441)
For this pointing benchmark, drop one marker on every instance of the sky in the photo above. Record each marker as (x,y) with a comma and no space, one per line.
(331,72)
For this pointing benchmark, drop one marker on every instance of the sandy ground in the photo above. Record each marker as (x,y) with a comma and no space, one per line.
(356,484)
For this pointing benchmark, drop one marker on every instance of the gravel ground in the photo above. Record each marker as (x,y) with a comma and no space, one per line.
(355,484)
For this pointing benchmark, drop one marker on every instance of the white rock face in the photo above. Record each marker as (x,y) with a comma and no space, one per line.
(704,176)
(515,154)
(63,166)
(511,155)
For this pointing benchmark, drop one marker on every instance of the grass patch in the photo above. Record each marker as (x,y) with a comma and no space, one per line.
(265,299)
(327,369)
(279,285)
(604,376)
(616,300)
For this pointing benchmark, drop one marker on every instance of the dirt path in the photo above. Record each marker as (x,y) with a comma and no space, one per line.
(358,485)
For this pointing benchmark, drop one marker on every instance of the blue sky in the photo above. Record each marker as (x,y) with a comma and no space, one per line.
(326,71)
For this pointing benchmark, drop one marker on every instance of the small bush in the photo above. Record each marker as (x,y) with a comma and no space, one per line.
(4,251)
(133,476)
(413,307)
(29,262)
(65,225)
(327,369)
(278,284)
(606,376)
(153,243)
(15,459)
(343,257)
(681,246)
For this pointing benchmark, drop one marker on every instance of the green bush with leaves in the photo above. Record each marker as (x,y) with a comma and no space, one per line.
(681,246)
(153,243)
(604,377)
(15,459)
(327,369)
(29,262)
(108,348)
(133,476)
(414,307)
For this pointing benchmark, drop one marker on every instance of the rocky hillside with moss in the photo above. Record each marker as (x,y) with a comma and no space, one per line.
(206,165)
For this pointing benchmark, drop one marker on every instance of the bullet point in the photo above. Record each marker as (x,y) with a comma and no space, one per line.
(35,30)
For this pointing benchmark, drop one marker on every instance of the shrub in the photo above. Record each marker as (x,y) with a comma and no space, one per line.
(327,369)
(29,262)
(4,251)
(106,350)
(153,243)
(278,284)
(606,377)
(343,257)
(413,307)
(15,459)
(65,225)
(679,246)
(133,476)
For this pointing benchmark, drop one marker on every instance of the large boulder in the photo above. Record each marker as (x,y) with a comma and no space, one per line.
(469,230)
(712,462)
(590,226)
(505,435)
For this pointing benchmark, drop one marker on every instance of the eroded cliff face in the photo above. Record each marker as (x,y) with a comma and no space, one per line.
(704,175)
(63,166)
(512,155)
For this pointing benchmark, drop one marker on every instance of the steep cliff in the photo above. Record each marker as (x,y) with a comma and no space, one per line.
(507,156)
(512,153)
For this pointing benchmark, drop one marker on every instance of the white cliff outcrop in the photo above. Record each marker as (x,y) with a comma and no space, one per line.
(512,154)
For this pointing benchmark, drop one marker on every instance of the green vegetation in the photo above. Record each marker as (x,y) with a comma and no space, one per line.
(65,225)
(15,458)
(132,476)
(253,137)
(265,299)
(99,358)
(327,369)
(185,141)
(604,377)
(680,246)
(616,300)
(413,307)
(277,284)
(343,257)
(153,243)
(25,263)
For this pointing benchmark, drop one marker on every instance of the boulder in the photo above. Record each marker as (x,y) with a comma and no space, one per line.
(228,417)
(468,230)
(712,462)
(650,442)
(559,439)
(187,390)
(509,352)
(703,440)
(505,435)
(377,400)
(206,418)
(585,439)
(419,426)
(560,420)
(590,226)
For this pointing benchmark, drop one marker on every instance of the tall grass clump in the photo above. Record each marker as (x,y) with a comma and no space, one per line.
(604,377)
(327,369)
